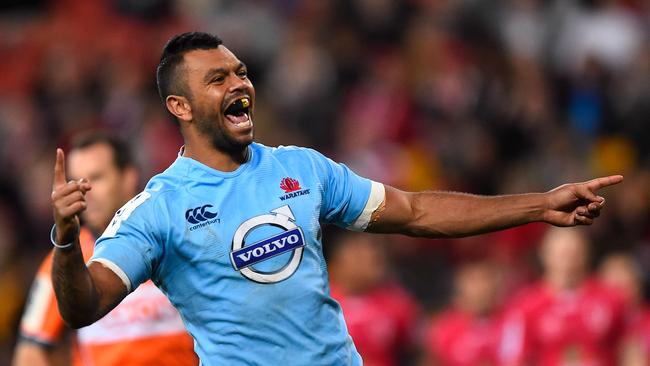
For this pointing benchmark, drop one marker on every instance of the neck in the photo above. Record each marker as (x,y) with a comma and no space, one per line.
(201,149)
(477,309)
(565,283)
(205,153)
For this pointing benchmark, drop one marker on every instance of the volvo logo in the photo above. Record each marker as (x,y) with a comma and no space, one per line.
(244,256)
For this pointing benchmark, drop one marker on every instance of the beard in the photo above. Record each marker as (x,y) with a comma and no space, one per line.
(211,125)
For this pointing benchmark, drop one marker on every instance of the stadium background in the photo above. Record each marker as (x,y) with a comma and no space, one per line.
(481,96)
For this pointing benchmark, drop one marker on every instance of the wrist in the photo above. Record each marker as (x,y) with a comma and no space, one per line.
(543,204)
(66,244)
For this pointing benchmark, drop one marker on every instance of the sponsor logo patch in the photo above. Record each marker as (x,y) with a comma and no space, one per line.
(267,248)
(289,185)
(243,256)
(201,217)
(291,188)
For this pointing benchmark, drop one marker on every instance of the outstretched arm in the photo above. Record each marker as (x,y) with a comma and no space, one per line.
(451,214)
(84,294)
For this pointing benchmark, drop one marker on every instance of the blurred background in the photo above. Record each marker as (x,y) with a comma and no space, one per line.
(481,96)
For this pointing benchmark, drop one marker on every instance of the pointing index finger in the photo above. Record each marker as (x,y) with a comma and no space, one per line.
(59,169)
(602,182)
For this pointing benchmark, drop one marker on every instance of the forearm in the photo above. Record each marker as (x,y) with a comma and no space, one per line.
(83,293)
(76,293)
(450,214)
(30,354)
(467,214)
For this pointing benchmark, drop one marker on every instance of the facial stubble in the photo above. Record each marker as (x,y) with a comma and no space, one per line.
(211,124)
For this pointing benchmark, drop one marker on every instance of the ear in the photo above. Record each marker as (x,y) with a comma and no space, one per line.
(130,179)
(180,107)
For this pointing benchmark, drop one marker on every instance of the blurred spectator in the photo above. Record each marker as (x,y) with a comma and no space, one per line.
(11,271)
(144,328)
(621,271)
(605,30)
(379,313)
(302,80)
(468,332)
(568,318)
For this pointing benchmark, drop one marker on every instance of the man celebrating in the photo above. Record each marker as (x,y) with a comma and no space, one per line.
(230,232)
(145,328)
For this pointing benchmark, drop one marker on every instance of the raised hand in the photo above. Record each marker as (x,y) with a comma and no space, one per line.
(577,203)
(68,200)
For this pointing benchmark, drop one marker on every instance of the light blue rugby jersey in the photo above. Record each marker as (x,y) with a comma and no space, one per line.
(240,254)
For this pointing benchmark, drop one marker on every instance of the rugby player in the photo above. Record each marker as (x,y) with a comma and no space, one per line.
(231,231)
(468,332)
(569,317)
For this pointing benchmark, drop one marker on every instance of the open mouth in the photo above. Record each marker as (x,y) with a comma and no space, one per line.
(238,112)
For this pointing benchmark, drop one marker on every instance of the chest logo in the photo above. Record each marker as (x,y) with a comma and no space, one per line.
(199,214)
(201,217)
(243,256)
(289,185)
(291,188)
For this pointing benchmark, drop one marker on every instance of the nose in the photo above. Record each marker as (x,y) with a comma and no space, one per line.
(238,85)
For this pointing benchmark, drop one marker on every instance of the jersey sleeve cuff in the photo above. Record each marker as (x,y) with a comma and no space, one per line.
(375,199)
(116,269)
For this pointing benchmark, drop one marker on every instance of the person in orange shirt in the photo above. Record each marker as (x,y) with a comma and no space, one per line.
(145,329)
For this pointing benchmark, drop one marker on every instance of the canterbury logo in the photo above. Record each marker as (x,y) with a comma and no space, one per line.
(199,214)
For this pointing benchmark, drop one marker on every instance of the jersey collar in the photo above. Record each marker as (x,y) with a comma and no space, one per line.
(197,169)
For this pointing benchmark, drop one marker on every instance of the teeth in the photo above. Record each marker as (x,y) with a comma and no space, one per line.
(239,105)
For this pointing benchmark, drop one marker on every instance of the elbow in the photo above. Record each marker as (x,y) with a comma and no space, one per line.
(432,233)
(77,319)
(423,224)
(74,325)
(424,227)
(438,225)
(77,323)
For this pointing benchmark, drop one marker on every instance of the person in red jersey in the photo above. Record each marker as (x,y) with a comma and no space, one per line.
(622,272)
(569,317)
(468,332)
(144,329)
(379,313)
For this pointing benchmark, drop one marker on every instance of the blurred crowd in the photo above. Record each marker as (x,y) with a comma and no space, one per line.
(481,96)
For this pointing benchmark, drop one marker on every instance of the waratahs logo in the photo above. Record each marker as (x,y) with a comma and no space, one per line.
(292,188)
(201,217)
(289,185)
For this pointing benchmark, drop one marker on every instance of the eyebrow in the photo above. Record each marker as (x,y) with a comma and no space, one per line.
(220,70)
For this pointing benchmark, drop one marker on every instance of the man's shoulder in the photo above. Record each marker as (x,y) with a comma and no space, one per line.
(530,298)
(595,289)
(286,150)
(293,155)
(163,187)
(167,180)
(451,318)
